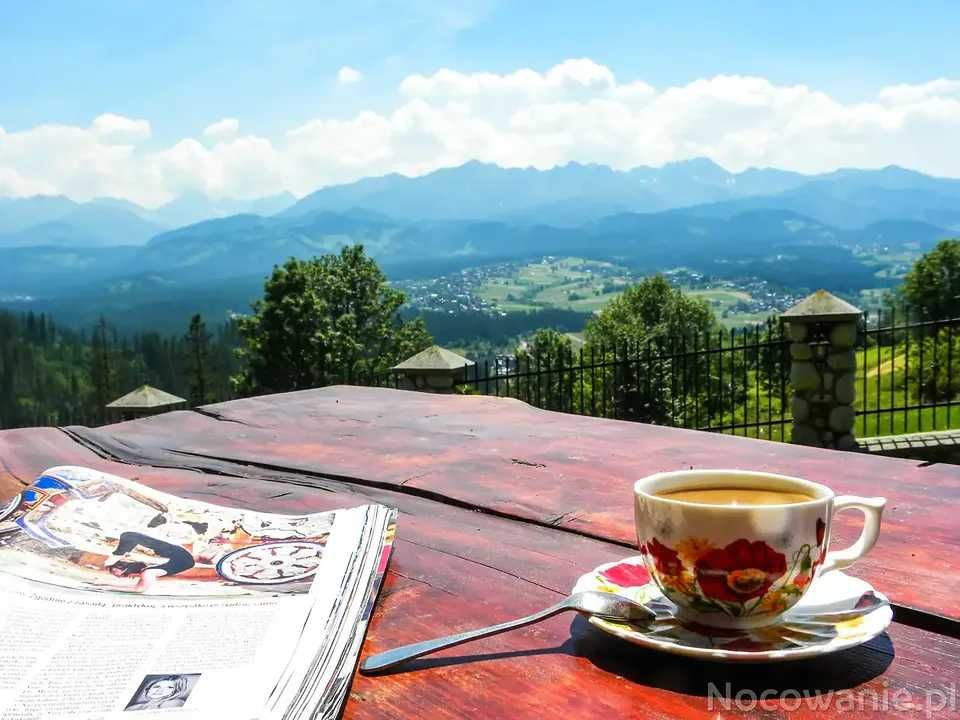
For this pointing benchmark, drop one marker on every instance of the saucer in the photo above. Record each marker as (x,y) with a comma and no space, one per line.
(837,612)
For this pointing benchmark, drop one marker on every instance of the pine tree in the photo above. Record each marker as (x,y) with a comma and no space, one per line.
(197,361)
(101,368)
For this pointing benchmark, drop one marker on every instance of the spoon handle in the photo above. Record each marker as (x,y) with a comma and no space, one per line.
(384,660)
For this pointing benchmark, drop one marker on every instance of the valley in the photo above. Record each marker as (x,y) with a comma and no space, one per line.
(483,241)
(584,286)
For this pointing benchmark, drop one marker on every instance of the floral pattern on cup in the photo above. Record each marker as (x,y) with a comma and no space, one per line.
(742,579)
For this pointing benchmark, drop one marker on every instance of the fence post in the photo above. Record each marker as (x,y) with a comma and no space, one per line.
(823,330)
(434,370)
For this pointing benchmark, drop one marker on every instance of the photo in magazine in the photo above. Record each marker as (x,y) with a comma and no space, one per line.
(92,532)
(159,692)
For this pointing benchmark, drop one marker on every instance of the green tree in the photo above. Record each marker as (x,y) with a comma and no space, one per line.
(197,361)
(102,369)
(548,354)
(640,336)
(929,369)
(649,310)
(933,284)
(331,319)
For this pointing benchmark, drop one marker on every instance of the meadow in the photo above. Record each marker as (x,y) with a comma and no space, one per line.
(582,285)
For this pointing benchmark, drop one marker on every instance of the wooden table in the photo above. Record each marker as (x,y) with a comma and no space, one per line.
(502,507)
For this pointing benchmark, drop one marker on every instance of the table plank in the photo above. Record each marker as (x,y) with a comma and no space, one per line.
(569,471)
(454,569)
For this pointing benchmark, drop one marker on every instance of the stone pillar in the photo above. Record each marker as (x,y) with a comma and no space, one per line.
(823,332)
(434,370)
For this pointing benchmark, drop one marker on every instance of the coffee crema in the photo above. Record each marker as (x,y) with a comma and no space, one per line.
(736,496)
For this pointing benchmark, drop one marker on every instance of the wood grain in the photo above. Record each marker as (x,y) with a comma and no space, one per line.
(454,568)
(564,470)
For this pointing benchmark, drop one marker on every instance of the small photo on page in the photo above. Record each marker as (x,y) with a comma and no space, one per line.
(158,692)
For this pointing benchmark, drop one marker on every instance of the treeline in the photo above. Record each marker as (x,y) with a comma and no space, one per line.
(54,375)
(51,375)
(467,327)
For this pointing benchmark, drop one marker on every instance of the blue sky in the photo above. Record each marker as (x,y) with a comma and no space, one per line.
(273,64)
(181,66)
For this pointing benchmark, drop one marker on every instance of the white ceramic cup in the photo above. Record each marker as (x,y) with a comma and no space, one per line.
(742,566)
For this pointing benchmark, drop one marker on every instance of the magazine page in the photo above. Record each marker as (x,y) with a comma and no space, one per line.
(166,604)
(87,530)
(83,655)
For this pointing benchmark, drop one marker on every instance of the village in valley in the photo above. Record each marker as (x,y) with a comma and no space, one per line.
(584,285)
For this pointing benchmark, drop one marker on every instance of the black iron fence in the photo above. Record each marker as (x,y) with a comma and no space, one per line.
(736,381)
(907,380)
(733,381)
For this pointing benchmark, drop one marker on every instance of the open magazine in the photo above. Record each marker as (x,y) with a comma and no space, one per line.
(119,602)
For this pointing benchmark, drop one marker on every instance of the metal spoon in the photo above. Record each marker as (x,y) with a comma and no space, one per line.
(600,604)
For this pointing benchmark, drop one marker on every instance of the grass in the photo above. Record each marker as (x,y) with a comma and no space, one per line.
(881,386)
(549,284)
(723,297)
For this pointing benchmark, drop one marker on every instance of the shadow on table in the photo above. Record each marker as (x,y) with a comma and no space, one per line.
(839,671)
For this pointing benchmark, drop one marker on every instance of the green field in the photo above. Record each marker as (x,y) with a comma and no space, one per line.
(881,386)
(568,283)
(588,285)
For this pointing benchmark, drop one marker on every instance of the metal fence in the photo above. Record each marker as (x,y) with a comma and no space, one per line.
(736,381)
(907,377)
(733,381)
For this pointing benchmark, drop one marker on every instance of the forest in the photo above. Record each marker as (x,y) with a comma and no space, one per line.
(50,375)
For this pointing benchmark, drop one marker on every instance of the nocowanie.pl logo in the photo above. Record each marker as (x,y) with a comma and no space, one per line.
(933,702)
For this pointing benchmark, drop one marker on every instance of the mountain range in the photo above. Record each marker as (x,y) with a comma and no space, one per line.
(109,222)
(572,194)
(795,230)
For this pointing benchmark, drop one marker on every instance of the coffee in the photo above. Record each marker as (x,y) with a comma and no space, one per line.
(736,496)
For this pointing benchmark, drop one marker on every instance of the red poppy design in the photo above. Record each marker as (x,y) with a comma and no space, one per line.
(666,559)
(740,571)
(626,575)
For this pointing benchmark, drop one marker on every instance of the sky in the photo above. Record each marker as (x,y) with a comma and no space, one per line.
(146,100)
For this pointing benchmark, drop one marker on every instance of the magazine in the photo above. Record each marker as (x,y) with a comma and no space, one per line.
(119,602)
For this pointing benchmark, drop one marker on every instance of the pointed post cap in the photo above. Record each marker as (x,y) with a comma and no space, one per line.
(145,397)
(434,358)
(822,306)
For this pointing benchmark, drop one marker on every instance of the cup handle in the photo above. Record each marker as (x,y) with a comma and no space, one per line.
(872,509)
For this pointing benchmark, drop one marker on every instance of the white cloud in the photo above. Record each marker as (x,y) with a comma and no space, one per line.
(906,94)
(578,110)
(117,128)
(348,75)
(224,128)
(15,185)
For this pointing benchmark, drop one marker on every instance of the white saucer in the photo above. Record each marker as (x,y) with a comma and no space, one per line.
(837,612)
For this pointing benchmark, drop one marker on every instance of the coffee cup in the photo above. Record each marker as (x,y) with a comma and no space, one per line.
(738,549)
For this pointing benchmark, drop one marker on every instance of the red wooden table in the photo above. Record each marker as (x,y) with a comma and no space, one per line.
(502,507)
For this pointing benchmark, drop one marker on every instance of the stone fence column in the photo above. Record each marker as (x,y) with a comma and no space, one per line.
(434,370)
(823,330)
